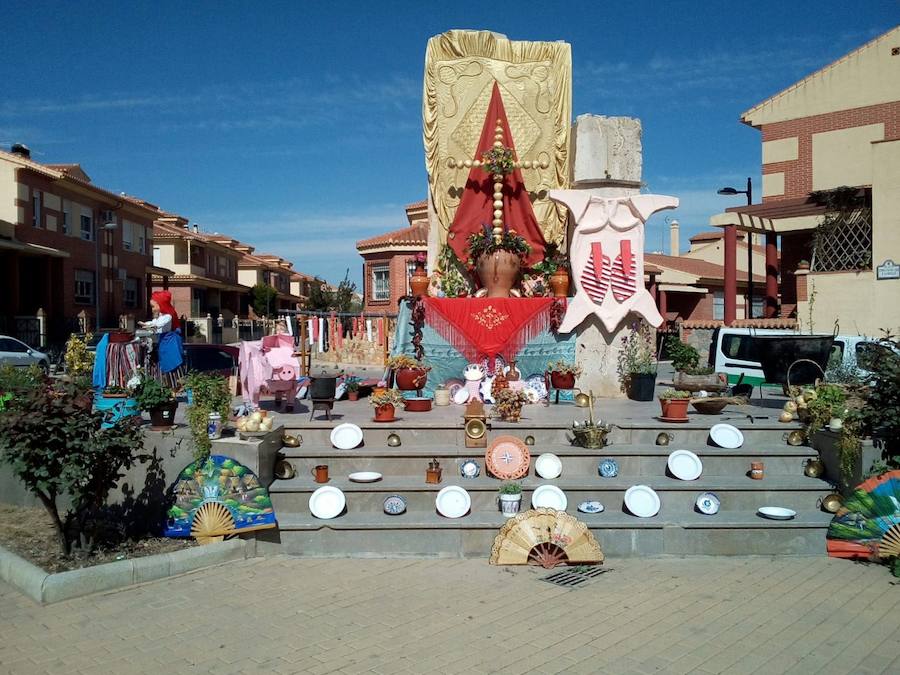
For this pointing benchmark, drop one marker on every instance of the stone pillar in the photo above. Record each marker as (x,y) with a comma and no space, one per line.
(771,275)
(730,274)
(606,160)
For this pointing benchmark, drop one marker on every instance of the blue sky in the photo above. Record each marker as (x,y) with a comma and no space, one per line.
(296,126)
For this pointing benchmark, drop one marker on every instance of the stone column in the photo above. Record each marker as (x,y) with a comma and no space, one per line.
(606,160)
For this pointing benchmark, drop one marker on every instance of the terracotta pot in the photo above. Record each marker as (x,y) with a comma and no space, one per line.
(562,380)
(417,404)
(163,417)
(352,395)
(499,272)
(418,281)
(410,379)
(559,283)
(384,413)
(674,408)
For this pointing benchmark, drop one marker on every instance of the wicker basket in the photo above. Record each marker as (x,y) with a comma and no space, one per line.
(592,437)
(715,405)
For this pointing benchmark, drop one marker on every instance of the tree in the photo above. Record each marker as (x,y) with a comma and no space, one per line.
(264,299)
(345,296)
(320,299)
(55,444)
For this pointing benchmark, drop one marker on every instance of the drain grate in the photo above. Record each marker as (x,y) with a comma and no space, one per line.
(575,577)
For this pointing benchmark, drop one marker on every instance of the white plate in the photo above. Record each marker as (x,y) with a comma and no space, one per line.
(590,507)
(642,501)
(776,512)
(685,465)
(548,466)
(726,436)
(364,476)
(453,502)
(461,396)
(346,436)
(549,497)
(327,502)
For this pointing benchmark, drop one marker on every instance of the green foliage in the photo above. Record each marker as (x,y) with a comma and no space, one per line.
(78,358)
(830,401)
(343,299)
(882,410)
(511,489)
(684,356)
(498,160)
(150,394)
(209,394)
(352,383)
(54,443)
(482,243)
(672,393)
(319,298)
(554,259)
(637,355)
(452,275)
(15,380)
(564,368)
(264,299)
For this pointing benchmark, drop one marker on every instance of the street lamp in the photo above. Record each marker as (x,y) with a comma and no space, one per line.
(730,191)
(106,227)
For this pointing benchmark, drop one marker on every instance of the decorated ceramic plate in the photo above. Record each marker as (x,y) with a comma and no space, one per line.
(590,507)
(507,458)
(548,466)
(486,386)
(346,436)
(549,497)
(469,469)
(537,383)
(394,505)
(708,503)
(776,512)
(685,465)
(726,436)
(453,502)
(608,468)
(364,476)
(460,396)
(642,501)
(453,386)
(327,502)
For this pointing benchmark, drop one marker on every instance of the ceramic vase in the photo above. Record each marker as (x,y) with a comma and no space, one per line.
(442,397)
(559,283)
(418,280)
(510,504)
(498,272)
(410,379)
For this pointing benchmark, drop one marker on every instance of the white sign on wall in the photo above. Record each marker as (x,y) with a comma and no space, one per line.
(887,270)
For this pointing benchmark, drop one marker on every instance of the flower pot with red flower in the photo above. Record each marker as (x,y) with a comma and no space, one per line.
(562,375)
(409,374)
(385,404)
(418,280)
(674,404)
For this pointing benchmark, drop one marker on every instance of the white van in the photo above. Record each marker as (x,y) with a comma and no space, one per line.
(733,352)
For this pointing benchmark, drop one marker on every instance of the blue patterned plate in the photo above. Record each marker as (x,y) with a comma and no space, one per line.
(469,469)
(590,507)
(394,505)
(608,468)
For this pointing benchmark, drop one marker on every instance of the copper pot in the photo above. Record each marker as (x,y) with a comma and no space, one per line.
(831,503)
(814,468)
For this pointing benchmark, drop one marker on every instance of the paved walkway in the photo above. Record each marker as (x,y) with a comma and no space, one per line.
(286,615)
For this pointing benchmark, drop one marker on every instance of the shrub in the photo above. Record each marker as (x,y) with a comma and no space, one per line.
(637,355)
(684,356)
(209,394)
(389,397)
(150,394)
(510,489)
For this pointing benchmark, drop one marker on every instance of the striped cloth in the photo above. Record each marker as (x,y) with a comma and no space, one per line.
(594,283)
(597,282)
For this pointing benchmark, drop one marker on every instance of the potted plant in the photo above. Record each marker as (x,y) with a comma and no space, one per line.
(159,401)
(418,280)
(510,499)
(497,261)
(674,404)
(113,391)
(210,394)
(409,374)
(562,374)
(353,388)
(508,404)
(636,363)
(385,404)
(688,374)
(555,270)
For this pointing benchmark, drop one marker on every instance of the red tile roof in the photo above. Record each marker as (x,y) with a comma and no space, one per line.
(417,205)
(407,237)
(699,268)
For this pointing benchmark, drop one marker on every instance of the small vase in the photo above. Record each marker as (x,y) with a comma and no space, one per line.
(510,504)
(559,283)
(418,280)
(513,374)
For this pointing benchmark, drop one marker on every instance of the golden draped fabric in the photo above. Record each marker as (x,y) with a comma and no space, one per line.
(535,80)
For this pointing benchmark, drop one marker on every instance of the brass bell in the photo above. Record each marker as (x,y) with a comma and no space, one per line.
(529,440)
(393,441)
(831,503)
(814,468)
(582,400)
(664,439)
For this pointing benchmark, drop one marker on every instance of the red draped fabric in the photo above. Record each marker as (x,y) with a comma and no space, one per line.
(476,208)
(479,327)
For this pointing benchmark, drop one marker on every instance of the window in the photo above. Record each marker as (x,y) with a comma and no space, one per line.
(381,284)
(719,305)
(84,287)
(132,288)
(157,256)
(141,236)
(127,236)
(12,346)
(87,228)
(759,303)
(410,268)
(36,209)
(741,347)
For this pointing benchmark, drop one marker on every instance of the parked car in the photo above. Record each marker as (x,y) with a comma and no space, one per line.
(205,358)
(14,352)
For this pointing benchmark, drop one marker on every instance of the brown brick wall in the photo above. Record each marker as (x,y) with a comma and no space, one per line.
(798,172)
(396,263)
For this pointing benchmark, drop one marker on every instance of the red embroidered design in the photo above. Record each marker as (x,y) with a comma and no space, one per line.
(489,317)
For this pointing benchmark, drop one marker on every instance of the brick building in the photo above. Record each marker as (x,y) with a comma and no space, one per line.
(840,126)
(388,260)
(69,247)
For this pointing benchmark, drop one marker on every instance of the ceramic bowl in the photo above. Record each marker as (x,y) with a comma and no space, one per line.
(608,468)
(708,503)
(394,505)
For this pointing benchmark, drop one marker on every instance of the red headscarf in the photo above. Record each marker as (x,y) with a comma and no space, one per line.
(164,300)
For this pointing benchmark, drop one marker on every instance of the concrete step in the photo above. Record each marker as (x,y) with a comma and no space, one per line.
(426,533)
(633,460)
(735,492)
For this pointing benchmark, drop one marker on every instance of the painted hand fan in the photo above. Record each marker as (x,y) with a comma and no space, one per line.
(217,498)
(544,537)
(868,524)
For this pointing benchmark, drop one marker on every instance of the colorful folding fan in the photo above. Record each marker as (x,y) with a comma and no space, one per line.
(868,525)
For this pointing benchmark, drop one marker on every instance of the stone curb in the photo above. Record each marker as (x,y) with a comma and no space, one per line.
(47,588)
